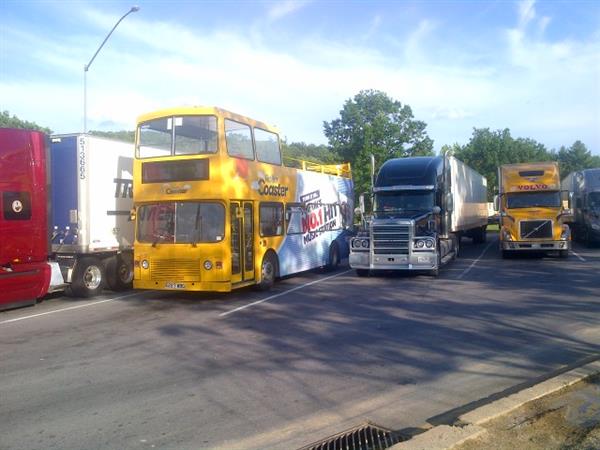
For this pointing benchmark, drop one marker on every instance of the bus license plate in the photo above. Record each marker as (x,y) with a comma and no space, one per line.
(175,285)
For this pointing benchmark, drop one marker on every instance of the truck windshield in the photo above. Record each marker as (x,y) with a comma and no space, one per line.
(533,199)
(594,200)
(388,203)
(181,222)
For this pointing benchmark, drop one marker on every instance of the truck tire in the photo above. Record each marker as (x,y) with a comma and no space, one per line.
(268,272)
(119,272)
(334,257)
(362,272)
(88,277)
(480,235)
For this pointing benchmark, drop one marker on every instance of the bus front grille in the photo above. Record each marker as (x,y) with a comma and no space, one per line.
(391,239)
(175,269)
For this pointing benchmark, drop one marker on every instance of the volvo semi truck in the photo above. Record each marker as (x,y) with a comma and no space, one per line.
(422,207)
(534,213)
(585,188)
(65,224)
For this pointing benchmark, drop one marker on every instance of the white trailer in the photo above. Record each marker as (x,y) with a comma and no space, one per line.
(91,199)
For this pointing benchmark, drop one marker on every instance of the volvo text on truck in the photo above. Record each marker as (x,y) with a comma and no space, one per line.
(585,188)
(66,202)
(533,210)
(422,206)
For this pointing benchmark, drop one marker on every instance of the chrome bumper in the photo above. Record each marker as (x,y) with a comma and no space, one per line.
(536,245)
(414,261)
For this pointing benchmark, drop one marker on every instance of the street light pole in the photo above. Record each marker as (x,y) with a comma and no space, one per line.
(87,66)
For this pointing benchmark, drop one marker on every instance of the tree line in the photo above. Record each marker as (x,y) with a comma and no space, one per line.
(373,123)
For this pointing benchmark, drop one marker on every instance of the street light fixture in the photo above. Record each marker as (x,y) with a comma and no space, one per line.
(87,66)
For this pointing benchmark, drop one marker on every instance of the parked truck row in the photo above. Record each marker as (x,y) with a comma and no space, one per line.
(65,205)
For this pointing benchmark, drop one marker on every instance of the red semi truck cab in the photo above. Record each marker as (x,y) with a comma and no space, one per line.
(24,204)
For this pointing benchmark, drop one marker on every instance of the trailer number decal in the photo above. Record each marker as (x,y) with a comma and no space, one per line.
(81,158)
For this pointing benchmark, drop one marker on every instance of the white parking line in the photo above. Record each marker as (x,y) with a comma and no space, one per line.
(466,271)
(581,258)
(282,293)
(85,305)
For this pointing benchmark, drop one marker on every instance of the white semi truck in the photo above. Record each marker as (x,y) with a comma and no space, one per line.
(91,186)
(422,206)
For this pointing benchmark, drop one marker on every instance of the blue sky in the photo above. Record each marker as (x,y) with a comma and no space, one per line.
(533,67)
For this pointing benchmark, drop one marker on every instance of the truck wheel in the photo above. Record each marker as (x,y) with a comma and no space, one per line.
(479,237)
(362,272)
(268,271)
(334,257)
(506,254)
(119,273)
(88,277)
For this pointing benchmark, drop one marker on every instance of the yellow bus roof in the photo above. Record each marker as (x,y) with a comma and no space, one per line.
(204,110)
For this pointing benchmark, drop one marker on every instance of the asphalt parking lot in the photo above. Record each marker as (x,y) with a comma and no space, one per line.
(320,353)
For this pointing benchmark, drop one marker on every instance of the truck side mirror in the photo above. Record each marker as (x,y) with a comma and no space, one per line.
(361,202)
(132,215)
(436,210)
(496,203)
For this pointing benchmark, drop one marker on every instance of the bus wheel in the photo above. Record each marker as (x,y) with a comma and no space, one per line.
(334,257)
(119,273)
(268,270)
(88,277)
(362,272)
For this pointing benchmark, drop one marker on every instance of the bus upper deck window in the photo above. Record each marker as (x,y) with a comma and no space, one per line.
(195,135)
(267,146)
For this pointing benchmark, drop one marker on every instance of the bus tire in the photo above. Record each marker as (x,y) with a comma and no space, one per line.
(334,257)
(268,272)
(362,272)
(119,272)
(88,278)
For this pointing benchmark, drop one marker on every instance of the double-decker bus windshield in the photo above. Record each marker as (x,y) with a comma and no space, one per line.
(183,135)
(181,222)
(389,203)
(533,199)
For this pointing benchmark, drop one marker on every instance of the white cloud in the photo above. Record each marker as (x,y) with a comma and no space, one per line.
(285,8)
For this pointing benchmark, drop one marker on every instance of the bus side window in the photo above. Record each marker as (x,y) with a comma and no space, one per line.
(294,213)
(271,219)
(267,146)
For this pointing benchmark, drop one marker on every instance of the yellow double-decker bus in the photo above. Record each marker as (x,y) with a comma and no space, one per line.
(216,208)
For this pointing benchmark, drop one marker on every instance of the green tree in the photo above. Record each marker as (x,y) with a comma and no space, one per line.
(123,135)
(6,121)
(576,157)
(487,150)
(373,123)
(295,152)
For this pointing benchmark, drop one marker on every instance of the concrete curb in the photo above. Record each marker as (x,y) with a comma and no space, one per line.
(445,437)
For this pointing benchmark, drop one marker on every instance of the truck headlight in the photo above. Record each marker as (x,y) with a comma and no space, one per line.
(145,264)
(429,243)
(506,235)
(365,243)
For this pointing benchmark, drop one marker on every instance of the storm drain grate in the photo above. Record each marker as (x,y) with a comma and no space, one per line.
(364,437)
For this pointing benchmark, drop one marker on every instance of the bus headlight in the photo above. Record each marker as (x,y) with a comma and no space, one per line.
(145,264)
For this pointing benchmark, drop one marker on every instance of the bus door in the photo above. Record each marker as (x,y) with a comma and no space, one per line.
(242,241)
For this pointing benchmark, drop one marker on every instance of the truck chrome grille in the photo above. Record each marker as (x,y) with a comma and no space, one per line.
(391,239)
(536,229)
(175,269)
